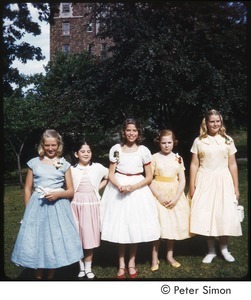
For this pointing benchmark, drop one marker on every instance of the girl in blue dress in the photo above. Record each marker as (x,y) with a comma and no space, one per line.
(48,238)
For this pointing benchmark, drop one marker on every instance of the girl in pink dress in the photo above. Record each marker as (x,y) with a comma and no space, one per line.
(88,179)
(214,186)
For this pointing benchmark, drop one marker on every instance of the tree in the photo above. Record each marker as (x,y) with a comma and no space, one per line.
(172,61)
(17,21)
(21,119)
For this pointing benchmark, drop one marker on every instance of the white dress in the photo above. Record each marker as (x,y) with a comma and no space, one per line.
(130,217)
(213,207)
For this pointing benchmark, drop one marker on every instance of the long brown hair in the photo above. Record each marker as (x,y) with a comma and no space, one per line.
(137,125)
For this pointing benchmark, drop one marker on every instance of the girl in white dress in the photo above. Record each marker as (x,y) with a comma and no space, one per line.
(128,211)
(214,186)
(88,179)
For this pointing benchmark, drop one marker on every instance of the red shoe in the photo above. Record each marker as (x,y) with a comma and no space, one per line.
(133,275)
(122,276)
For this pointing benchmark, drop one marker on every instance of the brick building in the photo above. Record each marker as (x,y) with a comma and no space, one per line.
(74,31)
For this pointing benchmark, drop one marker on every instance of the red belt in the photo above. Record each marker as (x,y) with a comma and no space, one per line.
(128,174)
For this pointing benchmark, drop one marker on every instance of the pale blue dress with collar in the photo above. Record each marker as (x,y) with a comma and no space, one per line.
(48,237)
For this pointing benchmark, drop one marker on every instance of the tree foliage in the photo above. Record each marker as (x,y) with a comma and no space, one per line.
(175,60)
(17,22)
(170,62)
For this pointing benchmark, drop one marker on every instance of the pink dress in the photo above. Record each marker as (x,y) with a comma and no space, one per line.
(85,207)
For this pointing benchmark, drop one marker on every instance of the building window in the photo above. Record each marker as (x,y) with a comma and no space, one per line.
(66,28)
(66,7)
(66,48)
(65,10)
(104,50)
(89,27)
(90,49)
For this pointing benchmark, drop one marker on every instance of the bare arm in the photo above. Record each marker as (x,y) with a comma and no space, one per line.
(233,168)
(103,183)
(160,197)
(28,186)
(180,189)
(112,169)
(194,165)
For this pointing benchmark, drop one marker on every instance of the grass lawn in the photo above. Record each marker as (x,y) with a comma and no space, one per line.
(189,252)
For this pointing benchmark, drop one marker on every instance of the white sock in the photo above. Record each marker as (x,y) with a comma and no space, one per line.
(81,265)
(211,252)
(227,256)
(88,270)
(208,258)
(82,269)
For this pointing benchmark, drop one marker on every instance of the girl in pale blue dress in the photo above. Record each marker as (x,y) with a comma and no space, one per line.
(48,238)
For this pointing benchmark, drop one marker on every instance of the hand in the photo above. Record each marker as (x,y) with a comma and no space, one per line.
(126,188)
(172,203)
(162,200)
(51,196)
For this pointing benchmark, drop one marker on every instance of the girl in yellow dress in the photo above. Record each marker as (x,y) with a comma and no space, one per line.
(168,188)
(214,186)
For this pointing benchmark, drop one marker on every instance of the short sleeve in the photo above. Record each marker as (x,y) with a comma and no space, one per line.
(194,148)
(182,166)
(153,164)
(31,163)
(104,171)
(115,153)
(231,146)
(146,155)
(66,164)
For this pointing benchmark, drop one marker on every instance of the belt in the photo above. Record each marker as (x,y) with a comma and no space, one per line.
(128,174)
(164,179)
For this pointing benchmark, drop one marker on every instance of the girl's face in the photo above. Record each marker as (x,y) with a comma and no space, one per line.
(50,146)
(84,155)
(166,144)
(131,133)
(214,124)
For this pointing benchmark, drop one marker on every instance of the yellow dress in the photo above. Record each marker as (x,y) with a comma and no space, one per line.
(174,222)
(213,206)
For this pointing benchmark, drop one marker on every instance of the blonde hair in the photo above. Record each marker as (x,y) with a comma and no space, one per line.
(165,132)
(51,133)
(203,126)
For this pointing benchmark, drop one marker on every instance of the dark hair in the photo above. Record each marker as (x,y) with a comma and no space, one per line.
(77,146)
(138,127)
(165,132)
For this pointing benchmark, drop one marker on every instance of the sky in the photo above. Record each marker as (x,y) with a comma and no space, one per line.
(42,41)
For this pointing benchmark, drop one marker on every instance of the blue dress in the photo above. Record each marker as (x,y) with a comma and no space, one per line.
(48,237)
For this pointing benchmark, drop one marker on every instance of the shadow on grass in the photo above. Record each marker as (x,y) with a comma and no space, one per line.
(106,256)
